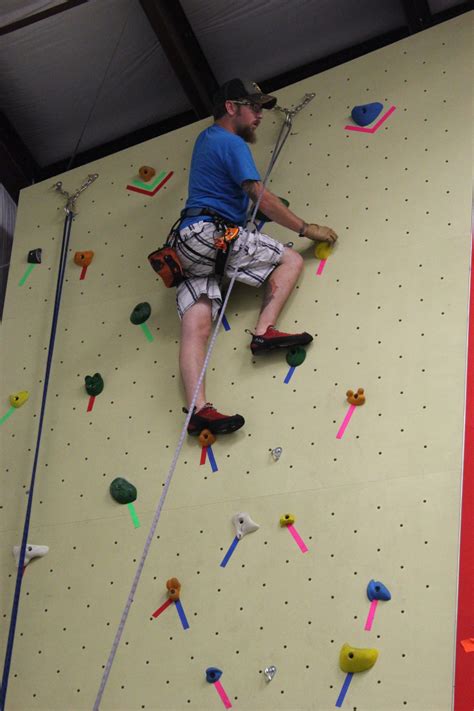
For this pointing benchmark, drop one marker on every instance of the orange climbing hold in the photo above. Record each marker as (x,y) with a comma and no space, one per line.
(173,586)
(83,259)
(357,398)
(146,173)
(206,438)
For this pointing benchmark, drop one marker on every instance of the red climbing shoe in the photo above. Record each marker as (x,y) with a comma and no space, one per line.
(272,339)
(207,418)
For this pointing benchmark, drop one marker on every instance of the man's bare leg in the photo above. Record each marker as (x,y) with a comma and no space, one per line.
(195,331)
(279,286)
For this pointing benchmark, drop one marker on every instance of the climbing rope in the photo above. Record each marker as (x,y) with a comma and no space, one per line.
(282,137)
(71,200)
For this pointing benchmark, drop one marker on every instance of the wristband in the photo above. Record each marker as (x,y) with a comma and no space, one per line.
(302,230)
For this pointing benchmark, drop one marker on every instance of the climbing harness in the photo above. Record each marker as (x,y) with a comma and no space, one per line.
(282,137)
(166,262)
(70,209)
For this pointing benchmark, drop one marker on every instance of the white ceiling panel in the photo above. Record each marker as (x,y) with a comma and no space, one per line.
(51,72)
(262,38)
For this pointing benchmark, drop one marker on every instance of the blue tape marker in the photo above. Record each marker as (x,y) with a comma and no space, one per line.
(225,323)
(232,548)
(181,614)
(345,686)
(212,460)
(260,225)
(289,374)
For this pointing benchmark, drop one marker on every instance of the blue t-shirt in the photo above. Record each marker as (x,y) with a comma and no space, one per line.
(221,162)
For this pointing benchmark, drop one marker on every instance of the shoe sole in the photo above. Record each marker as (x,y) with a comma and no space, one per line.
(281,343)
(216,428)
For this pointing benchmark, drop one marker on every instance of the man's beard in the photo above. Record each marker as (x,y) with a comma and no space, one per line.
(248,134)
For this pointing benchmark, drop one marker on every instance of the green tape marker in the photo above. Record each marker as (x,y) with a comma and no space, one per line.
(26,274)
(134,516)
(150,186)
(146,331)
(7,415)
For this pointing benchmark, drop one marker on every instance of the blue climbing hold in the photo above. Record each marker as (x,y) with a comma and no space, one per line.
(366,113)
(377,591)
(213,674)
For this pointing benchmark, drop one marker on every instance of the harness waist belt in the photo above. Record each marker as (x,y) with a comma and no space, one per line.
(205,211)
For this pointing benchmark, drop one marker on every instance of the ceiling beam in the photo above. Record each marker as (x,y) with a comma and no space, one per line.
(418,15)
(32,19)
(183,51)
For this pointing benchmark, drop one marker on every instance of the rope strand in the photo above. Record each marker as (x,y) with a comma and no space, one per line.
(282,137)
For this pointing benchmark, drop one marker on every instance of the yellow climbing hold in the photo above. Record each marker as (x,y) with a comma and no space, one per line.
(287,520)
(323,250)
(356,659)
(18,399)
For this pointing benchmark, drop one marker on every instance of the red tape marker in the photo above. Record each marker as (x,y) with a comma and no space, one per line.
(150,192)
(203,455)
(91,403)
(83,272)
(162,608)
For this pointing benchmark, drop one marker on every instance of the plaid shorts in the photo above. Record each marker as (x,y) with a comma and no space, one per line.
(197,252)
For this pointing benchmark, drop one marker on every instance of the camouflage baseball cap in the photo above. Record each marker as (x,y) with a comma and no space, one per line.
(241,89)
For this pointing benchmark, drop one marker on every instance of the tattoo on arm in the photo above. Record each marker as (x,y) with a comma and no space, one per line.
(252,188)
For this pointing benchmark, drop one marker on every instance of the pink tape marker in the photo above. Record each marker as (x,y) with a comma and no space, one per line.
(371,615)
(374,128)
(224,698)
(321,266)
(298,540)
(345,422)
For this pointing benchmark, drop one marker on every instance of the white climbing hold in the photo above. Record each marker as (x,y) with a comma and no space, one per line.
(243,524)
(270,673)
(276,453)
(30,552)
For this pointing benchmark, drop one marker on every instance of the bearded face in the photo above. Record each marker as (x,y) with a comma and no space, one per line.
(246,123)
(247,133)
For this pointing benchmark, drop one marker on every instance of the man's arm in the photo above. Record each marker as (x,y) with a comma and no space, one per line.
(272,207)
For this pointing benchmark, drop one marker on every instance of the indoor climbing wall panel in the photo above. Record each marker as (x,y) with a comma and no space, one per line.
(388,311)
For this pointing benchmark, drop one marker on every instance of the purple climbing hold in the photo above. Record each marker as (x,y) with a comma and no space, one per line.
(366,113)
(377,591)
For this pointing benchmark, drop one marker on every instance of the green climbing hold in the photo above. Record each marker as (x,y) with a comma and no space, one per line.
(260,216)
(295,356)
(140,313)
(122,491)
(94,384)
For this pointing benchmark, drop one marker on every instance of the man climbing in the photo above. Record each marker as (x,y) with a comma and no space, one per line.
(223,178)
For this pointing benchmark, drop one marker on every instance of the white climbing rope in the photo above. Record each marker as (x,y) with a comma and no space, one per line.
(282,137)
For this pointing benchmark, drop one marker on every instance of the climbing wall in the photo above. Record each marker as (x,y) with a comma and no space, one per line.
(388,311)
